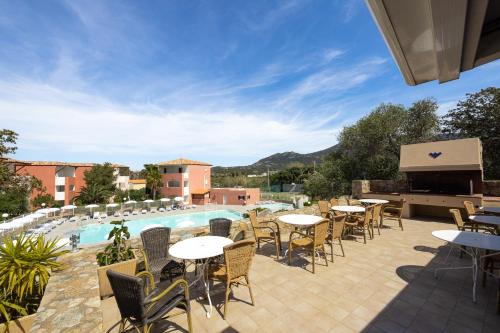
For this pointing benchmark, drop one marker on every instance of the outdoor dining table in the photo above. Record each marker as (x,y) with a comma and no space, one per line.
(471,243)
(492,210)
(348,209)
(300,220)
(200,248)
(486,219)
(374,201)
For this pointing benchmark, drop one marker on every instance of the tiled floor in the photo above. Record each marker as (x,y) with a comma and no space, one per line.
(387,285)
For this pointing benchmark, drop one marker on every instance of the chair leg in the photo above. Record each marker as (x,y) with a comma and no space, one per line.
(258,243)
(122,326)
(400,224)
(226,301)
(289,254)
(364,234)
(277,248)
(331,247)
(313,259)
(249,289)
(188,313)
(341,246)
(146,328)
(324,253)
(378,229)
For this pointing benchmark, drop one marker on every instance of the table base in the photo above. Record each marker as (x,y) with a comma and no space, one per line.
(206,285)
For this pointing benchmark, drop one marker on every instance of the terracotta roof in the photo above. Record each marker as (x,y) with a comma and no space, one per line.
(200,191)
(58,163)
(183,161)
(137,181)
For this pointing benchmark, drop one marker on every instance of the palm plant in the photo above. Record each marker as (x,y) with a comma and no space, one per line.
(153,178)
(93,193)
(25,266)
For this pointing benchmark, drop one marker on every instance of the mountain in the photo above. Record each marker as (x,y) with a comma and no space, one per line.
(277,161)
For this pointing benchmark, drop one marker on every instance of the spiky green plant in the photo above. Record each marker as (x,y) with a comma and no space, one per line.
(25,266)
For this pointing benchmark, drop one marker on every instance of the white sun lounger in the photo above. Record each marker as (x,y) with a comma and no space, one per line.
(126,213)
(161,209)
(135,212)
(144,211)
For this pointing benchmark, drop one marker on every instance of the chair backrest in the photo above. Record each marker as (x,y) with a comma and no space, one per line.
(353,202)
(376,213)
(334,202)
(338,225)
(320,232)
(252,214)
(457,217)
(220,227)
(238,258)
(368,214)
(469,208)
(324,208)
(155,242)
(129,294)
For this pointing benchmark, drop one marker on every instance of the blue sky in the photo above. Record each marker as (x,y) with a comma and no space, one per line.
(227,82)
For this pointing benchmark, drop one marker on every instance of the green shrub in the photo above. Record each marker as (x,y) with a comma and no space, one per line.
(118,250)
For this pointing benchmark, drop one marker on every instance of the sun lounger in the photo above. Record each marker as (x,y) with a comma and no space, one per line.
(135,212)
(126,213)
(161,210)
(96,215)
(116,214)
(144,211)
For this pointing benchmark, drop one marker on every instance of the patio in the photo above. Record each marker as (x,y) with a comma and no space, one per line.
(387,285)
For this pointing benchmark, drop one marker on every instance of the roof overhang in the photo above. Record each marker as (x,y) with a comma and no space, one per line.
(438,39)
(451,155)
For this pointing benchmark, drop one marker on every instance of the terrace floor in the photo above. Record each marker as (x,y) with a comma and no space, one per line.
(387,285)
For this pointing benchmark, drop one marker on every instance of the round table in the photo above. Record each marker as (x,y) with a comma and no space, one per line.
(300,219)
(203,247)
(348,209)
(486,219)
(493,210)
(374,201)
(471,243)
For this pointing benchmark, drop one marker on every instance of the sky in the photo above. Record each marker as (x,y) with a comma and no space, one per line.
(225,82)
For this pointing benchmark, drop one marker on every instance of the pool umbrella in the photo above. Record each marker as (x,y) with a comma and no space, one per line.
(91,207)
(111,205)
(162,200)
(68,207)
(148,202)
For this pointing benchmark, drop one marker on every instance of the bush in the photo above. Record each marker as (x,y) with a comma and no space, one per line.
(118,250)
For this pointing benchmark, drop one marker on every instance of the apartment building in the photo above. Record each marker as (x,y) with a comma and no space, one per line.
(64,180)
(187,179)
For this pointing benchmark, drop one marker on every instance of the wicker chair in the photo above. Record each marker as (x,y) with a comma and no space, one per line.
(392,212)
(459,222)
(362,223)
(324,208)
(142,304)
(375,221)
(220,227)
(354,202)
(234,271)
(335,231)
(155,243)
(264,232)
(312,243)
(334,202)
(471,210)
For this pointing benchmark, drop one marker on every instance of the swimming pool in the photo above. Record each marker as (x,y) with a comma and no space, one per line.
(277,206)
(98,233)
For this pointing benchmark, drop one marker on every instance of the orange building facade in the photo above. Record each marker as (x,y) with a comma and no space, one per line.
(64,180)
(234,196)
(187,179)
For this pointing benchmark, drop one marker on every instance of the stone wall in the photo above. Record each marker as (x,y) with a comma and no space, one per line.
(377,185)
(491,188)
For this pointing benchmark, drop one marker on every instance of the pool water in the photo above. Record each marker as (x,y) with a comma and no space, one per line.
(98,233)
(277,206)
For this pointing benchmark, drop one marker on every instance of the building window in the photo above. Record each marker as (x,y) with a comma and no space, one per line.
(72,188)
(241,197)
(180,170)
(248,196)
(173,183)
(60,188)
(186,183)
(164,170)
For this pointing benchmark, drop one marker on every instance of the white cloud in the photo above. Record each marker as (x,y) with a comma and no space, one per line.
(331,54)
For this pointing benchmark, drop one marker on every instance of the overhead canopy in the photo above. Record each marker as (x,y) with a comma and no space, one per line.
(438,39)
(451,155)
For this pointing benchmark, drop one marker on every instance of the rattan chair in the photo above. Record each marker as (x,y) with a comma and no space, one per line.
(362,223)
(264,232)
(155,243)
(335,231)
(324,208)
(392,212)
(220,227)
(459,222)
(375,221)
(334,202)
(471,210)
(236,267)
(142,304)
(313,243)
(354,202)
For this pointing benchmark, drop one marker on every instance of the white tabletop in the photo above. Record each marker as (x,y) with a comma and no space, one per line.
(467,238)
(300,219)
(486,219)
(349,209)
(199,247)
(494,210)
(374,201)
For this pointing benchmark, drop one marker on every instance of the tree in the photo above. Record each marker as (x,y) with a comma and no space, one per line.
(421,123)
(99,184)
(153,178)
(45,198)
(479,116)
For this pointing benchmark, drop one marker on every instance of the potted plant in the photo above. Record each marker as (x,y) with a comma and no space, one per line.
(25,266)
(117,256)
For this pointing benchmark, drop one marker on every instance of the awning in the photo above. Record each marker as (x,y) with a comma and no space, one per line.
(451,155)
